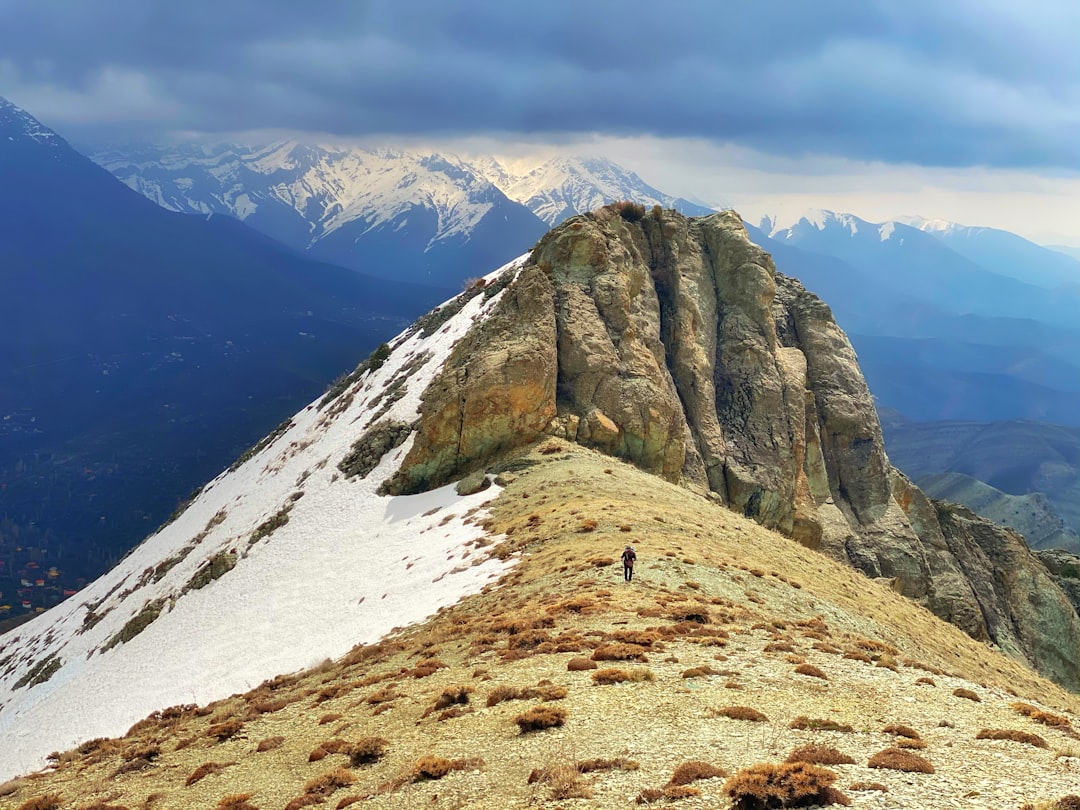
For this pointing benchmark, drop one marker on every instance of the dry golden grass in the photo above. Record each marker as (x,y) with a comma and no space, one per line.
(380,691)
(897,759)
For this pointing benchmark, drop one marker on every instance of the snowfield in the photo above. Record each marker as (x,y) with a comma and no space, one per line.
(344,566)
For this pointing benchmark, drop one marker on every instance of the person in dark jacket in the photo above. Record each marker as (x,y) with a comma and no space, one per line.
(628,560)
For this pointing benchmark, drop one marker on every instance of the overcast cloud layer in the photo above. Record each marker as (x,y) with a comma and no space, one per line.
(964,83)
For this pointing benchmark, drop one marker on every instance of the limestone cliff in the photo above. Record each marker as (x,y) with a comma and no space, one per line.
(675,344)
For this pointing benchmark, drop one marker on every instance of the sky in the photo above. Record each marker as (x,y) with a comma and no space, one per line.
(967,110)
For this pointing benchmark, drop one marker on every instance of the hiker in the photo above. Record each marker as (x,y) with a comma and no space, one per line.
(628,558)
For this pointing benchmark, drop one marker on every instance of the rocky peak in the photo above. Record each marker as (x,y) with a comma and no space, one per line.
(675,344)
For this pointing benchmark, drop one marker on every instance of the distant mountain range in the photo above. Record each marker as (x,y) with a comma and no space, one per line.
(950,322)
(418,216)
(143,350)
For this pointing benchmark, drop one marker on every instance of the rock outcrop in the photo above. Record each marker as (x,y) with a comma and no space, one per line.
(675,344)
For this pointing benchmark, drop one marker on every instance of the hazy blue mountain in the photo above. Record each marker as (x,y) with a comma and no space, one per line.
(922,351)
(1016,457)
(143,349)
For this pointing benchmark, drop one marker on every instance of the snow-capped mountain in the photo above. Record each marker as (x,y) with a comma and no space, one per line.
(152,632)
(561,187)
(405,215)
(411,215)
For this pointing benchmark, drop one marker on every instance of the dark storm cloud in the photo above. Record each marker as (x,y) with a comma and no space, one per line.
(973,83)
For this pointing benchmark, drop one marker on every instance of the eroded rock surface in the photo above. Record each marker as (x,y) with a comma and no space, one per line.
(675,344)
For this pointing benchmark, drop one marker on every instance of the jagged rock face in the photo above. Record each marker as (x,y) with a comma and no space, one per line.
(675,344)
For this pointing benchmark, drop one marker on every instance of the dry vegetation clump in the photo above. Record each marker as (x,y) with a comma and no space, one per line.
(699,672)
(604,677)
(225,731)
(911,745)
(326,783)
(1010,734)
(669,793)
(429,768)
(897,759)
(384,695)
(564,780)
(543,691)
(580,664)
(739,713)
(795,784)
(619,652)
(1058,721)
(693,771)
(204,770)
(779,646)
(50,801)
(925,681)
(366,750)
(817,754)
(858,655)
(868,786)
(967,694)
(269,744)
(617,764)
(427,667)
(901,731)
(804,723)
(329,718)
(540,717)
(236,801)
(812,671)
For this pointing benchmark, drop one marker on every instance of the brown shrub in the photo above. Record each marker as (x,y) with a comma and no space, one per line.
(858,655)
(1039,716)
(786,785)
(966,693)
(643,638)
(901,731)
(204,770)
(1009,734)
(779,646)
(617,764)
(911,745)
(329,718)
(540,717)
(667,793)
(698,672)
(693,771)
(367,750)
(739,713)
(868,786)
(326,783)
(587,526)
(236,801)
(819,755)
(305,800)
(452,695)
(804,723)
(269,744)
(604,677)
(50,801)
(925,680)
(619,652)
(427,667)
(384,695)
(812,671)
(225,731)
(565,782)
(896,759)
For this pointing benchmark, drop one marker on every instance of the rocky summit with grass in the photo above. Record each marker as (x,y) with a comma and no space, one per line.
(409,595)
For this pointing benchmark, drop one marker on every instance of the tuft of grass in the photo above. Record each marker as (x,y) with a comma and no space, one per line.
(619,652)
(692,771)
(812,671)
(540,717)
(1039,716)
(868,786)
(604,677)
(804,723)
(699,672)
(50,801)
(901,731)
(897,759)
(225,731)
(367,750)
(564,780)
(580,664)
(817,754)
(739,713)
(326,783)
(785,785)
(236,801)
(667,793)
(966,694)
(204,770)
(1010,734)
(269,744)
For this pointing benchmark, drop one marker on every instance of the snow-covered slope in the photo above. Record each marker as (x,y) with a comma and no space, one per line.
(383,211)
(278,564)
(564,186)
